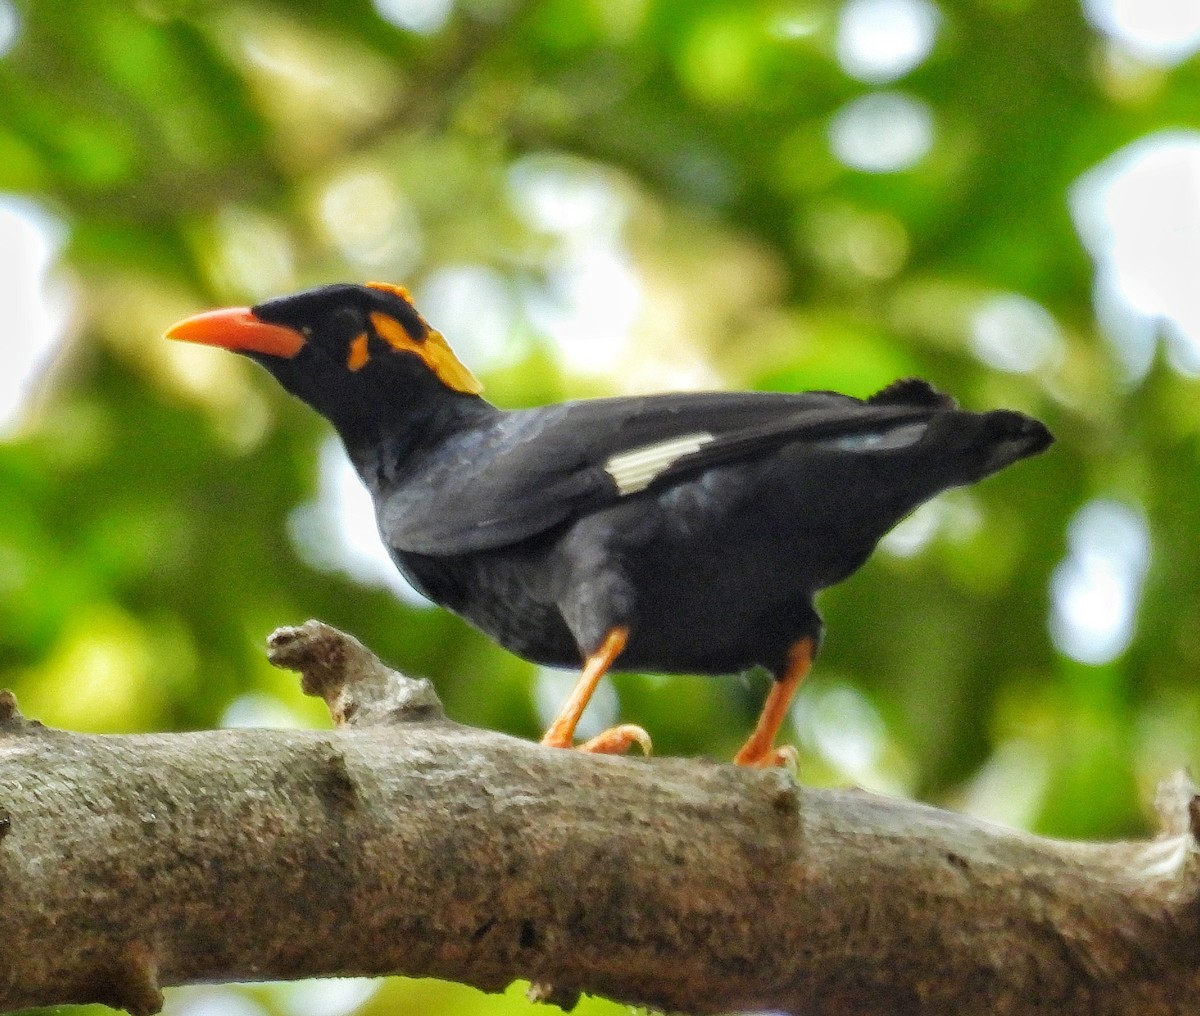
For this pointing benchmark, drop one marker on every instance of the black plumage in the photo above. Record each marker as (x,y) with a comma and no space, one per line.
(677,532)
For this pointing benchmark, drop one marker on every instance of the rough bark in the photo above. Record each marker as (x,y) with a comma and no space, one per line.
(404,843)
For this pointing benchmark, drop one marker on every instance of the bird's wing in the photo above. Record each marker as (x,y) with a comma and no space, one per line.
(534,469)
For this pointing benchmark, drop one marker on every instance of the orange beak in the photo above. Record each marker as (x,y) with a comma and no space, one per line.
(238,329)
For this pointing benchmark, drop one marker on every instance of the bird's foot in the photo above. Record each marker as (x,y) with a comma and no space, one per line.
(614,741)
(786,757)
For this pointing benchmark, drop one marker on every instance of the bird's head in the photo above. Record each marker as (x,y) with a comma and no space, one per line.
(351,352)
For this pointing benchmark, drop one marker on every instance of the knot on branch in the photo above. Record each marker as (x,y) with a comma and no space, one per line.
(1177,802)
(358,688)
(130,983)
(11,720)
(549,994)
(9,712)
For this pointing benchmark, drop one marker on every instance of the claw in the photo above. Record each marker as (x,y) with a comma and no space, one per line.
(618,740)
(786,757)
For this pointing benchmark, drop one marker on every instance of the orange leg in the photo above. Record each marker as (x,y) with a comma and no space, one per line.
(759,749)
(614,741)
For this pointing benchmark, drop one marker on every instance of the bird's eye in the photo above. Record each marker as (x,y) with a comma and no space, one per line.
(306,331)
(344,323)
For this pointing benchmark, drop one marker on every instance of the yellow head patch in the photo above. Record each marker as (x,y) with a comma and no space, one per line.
(387,287)
(359,353)
(430,345)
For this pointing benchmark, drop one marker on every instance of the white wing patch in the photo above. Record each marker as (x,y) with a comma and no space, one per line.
(637,468)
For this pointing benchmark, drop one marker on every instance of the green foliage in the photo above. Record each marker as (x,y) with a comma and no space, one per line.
(204,153)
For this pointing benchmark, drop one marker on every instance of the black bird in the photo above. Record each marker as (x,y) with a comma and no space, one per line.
(677,533)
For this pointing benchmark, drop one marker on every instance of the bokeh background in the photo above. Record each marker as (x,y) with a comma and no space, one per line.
(611,196)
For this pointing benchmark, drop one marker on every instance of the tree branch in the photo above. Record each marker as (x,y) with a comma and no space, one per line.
(405,843)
